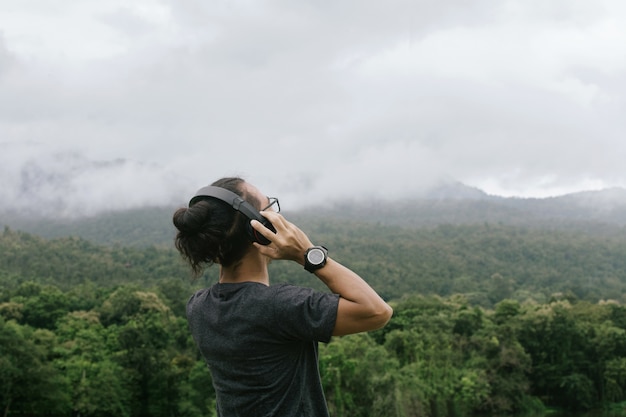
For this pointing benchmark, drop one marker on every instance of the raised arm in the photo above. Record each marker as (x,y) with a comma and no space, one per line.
(360,307)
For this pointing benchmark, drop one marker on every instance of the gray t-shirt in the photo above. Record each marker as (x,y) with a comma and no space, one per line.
(260,344)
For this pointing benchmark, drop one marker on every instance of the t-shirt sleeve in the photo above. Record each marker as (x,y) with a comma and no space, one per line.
(304,314)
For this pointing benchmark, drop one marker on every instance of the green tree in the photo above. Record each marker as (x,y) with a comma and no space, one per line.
(145,332)
(358,376)
(86,357)
(44,309)
(559,345)
(29,383)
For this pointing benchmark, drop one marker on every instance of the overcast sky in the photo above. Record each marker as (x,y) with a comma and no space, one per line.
(117,103)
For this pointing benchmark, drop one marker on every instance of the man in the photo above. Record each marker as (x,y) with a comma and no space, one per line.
(260,341)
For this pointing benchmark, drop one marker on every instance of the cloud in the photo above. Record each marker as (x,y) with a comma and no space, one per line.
(309,100)
(66,184)
(6,58)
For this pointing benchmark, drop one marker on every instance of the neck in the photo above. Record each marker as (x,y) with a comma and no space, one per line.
(252,268)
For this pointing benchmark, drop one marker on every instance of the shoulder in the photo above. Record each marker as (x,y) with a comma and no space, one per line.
(289,291)
(286,296)
(198,295)
(303,313)
(196,298)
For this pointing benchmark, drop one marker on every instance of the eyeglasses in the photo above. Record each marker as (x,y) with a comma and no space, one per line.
(274,205)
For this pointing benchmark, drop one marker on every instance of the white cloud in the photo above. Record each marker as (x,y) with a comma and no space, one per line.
(313,100)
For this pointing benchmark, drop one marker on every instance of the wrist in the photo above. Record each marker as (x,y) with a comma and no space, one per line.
(315,258)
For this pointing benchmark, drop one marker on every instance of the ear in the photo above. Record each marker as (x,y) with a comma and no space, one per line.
(257,237)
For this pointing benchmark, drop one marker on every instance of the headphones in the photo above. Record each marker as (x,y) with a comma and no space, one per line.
(240,205)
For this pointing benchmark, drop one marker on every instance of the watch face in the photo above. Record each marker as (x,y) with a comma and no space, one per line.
(316,256)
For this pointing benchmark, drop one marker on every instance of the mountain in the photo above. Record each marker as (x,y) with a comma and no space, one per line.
(149,226)
(460,204)
(601,211)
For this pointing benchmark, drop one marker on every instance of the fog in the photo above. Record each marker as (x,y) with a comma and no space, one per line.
(110,105)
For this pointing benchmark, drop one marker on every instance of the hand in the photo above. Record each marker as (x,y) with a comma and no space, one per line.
(289,242)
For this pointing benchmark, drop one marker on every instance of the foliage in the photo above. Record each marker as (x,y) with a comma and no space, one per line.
(128,356)
(488,319)
(485,262)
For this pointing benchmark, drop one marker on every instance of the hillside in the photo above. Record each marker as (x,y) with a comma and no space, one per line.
(487,263)
(596,212)
(591,211)
(458,240)
(519,303)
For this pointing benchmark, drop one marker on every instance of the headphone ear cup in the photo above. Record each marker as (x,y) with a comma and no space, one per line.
(258,237)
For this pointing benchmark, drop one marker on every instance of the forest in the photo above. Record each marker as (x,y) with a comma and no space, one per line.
(490,319)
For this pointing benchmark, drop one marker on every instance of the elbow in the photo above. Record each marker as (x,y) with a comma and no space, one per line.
(382,316)
(353,318)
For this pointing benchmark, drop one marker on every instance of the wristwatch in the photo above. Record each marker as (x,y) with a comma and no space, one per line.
(315,258)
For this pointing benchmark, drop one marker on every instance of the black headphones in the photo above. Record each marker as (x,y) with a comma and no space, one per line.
(238,204)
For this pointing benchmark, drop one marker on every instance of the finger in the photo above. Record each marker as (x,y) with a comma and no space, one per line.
(273,217)
(259,227)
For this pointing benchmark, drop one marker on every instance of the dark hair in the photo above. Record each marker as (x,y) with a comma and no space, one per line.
(210,231)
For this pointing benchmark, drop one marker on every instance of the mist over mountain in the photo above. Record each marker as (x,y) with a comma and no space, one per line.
(456,203)
(451,203)
(39,182)
(69,185)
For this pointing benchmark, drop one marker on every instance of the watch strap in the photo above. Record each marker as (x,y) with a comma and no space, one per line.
(314,267)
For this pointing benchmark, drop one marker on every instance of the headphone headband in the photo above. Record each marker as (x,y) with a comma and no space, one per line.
(228,197)
(238,204)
